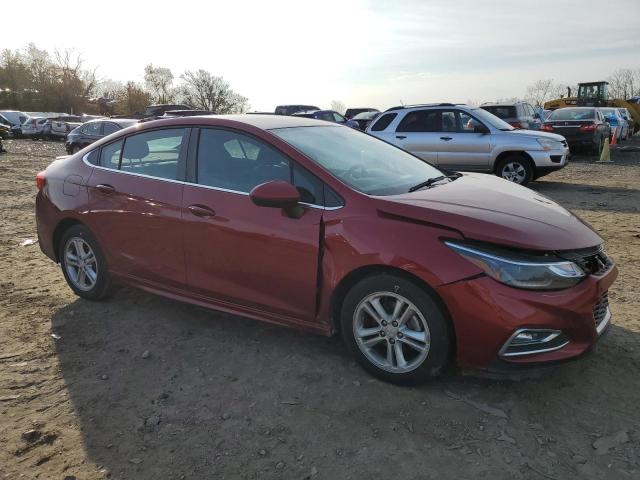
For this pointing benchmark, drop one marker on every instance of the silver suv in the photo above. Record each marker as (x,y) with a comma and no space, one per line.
(461,137)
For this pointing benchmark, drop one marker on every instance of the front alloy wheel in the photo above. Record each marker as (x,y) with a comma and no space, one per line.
(396,329)
(515,169)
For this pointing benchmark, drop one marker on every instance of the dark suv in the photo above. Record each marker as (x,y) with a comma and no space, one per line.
(291,109)
(93,130)
(517,114)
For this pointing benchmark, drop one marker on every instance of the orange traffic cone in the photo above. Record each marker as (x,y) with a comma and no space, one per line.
(614,139)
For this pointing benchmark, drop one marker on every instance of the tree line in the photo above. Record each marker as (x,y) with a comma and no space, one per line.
(32,79)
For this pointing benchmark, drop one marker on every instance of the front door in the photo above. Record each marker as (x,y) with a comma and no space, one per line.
(136,205)
(237,252)
(460,147)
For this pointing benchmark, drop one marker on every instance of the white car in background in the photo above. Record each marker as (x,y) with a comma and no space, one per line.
(466,138)
(33,127)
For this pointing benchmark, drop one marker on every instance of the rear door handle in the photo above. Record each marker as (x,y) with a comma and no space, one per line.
(446,139)
(106,189)
(201,211)
(401,137)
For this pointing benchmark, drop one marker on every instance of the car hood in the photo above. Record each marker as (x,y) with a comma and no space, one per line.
(486,208)
(535,134)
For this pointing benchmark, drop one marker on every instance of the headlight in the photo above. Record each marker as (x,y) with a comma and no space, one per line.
(524,271)
(548,144)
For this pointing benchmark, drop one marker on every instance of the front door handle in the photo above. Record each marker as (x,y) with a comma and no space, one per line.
(106,189)
(401,137)
(446,139)
(201,211)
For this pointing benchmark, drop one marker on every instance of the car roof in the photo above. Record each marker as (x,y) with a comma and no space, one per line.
(264,122)
(123,122)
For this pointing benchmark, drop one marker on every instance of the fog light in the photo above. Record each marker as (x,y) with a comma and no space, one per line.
(531,341)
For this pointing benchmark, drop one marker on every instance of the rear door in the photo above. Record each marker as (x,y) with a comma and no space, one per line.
(418,133)
(136,202)
(460,147)
(237,252)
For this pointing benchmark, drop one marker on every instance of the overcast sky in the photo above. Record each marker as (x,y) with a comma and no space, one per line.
(362,52)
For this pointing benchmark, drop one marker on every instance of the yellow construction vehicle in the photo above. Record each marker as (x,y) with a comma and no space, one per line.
(596,94)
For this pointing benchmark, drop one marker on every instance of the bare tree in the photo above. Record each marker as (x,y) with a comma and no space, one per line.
(159,82)
(132,99)
(338,106)
(544,90)
(624,83)
(208,92)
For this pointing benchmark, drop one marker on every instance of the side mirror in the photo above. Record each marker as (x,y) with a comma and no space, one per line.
(275,194)
(480,128)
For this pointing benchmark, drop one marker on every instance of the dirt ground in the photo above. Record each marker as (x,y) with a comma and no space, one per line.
(140,387)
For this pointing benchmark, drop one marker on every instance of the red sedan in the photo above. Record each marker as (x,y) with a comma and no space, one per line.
(318,226)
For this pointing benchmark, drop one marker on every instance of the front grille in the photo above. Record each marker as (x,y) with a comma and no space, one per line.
(600,309)
(594,261)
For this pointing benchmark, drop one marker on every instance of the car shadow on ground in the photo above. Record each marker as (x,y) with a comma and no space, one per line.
(590,197)
(166,390)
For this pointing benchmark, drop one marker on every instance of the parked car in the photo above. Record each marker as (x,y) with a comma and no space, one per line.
(291,109)
(365,118)
(5,131)
(461,137)
(329,116)
(16,119)
(159,110)
(33,127)
(352,112)
(517,114)
(582,127)
(299,222)
(624,113)
(613,118)
(59,127)
(93,130)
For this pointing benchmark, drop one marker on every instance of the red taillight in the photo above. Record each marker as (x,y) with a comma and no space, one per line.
(588,127)
(40,180)
(547,127)
(516,124)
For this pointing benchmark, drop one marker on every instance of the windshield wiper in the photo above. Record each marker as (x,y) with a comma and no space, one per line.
(427,183)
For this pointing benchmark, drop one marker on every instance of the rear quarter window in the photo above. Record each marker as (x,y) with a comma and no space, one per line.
(383,122)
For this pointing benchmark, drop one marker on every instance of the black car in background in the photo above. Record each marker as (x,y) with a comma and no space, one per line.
(363,119)
(291,109)
(582,127)
(352,112)
(159,110)
(516,114)
(94,130)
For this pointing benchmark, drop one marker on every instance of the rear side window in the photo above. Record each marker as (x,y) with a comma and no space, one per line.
(110,155)
(154,153)
(425,121)
(93,157)
(383,122)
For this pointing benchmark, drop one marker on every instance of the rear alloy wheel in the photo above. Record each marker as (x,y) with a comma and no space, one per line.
(395,329)
(83,264)
(516,169)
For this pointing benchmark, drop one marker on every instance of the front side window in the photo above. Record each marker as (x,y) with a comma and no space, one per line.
(309,187)
(93,128)
(110,128)
(238,162)
(155,153)
(361,161)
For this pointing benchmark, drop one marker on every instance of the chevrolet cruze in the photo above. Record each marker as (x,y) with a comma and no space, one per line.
(318,226)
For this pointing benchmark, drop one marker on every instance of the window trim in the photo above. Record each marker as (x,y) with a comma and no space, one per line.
(189,163)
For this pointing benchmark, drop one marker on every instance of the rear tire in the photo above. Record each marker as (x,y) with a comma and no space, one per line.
(396,330)
(516,169)
(83,264)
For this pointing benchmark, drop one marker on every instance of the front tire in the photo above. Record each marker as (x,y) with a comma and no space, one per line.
(516,169)
(396,330)
(83,264)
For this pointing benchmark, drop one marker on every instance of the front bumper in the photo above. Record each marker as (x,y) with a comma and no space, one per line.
(491,312)
(549,160)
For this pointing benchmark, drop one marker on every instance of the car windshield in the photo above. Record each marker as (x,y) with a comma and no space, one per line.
(363,162)
(365,115)
(491,119)
(573,114)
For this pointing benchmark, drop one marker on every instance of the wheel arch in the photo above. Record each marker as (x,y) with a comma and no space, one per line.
(62,226)
(353,277)
(520,153)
